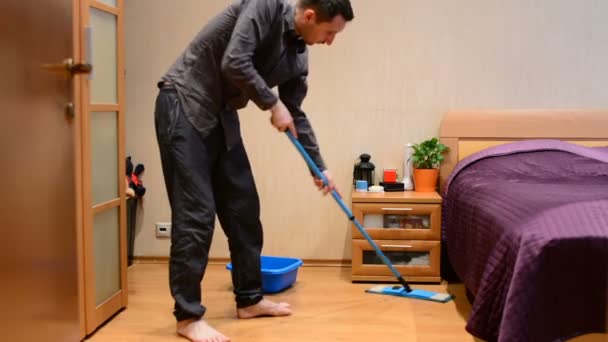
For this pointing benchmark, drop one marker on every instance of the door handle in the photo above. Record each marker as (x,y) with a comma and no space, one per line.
(70,67)
(78,68)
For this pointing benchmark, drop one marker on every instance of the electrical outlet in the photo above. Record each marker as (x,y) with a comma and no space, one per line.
(163,229)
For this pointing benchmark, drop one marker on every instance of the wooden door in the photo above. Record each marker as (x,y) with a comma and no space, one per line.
(104,161)
(40,141)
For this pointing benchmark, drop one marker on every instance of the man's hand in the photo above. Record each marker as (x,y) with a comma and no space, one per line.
(281,119)
(326,188)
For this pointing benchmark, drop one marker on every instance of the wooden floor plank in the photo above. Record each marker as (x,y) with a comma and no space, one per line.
(327,307)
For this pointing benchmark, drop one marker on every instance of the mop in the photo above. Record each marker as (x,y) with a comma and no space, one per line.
(403,290)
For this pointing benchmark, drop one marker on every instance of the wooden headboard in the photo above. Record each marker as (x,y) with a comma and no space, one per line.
(469,131)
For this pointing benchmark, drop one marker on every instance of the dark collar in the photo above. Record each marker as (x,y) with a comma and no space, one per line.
(289,28)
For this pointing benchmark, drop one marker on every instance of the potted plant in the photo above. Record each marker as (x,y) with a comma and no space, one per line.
(426,159)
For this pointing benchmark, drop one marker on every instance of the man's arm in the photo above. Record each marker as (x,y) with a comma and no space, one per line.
(252,26)
(292,94)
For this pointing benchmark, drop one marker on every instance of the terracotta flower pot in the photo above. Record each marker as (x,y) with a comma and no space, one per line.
(425,180)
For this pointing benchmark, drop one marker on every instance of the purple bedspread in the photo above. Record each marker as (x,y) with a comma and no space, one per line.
(526,229)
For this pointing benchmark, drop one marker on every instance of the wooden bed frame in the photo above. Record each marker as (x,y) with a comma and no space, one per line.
(468,131)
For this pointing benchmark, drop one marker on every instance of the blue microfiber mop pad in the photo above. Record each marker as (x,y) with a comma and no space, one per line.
(417,294)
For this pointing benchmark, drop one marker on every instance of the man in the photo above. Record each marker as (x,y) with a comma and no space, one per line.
(249,48)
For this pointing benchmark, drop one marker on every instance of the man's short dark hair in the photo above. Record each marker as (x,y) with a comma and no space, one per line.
(327,9)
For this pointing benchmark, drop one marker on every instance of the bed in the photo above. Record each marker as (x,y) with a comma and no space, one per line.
(525,220)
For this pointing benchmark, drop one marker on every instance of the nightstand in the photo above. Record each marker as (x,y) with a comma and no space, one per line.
(407,228)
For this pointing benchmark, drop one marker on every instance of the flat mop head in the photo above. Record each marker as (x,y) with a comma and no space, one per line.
(398,290)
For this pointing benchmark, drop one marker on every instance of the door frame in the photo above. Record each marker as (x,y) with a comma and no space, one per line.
(77,119)
(96,315)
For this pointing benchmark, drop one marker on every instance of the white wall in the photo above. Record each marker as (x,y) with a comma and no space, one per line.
(386,81)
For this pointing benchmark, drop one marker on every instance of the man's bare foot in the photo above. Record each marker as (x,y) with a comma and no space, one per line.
(264,308)
(197,330)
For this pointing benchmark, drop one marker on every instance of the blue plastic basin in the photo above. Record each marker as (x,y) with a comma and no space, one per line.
(278,273)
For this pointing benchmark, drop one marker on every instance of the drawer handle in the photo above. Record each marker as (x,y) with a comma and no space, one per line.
(396,246)
(398,209)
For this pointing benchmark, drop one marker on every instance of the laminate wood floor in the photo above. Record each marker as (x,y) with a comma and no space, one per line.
(327,307)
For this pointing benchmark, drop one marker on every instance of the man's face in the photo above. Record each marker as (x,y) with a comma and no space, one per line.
(321,32)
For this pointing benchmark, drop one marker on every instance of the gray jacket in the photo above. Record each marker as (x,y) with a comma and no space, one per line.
(242,53)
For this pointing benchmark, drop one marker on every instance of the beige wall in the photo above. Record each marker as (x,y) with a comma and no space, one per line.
(386,81)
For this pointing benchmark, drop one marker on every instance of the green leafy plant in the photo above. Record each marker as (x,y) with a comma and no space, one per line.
(428,154)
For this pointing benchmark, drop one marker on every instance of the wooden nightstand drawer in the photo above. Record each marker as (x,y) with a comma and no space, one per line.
(407,228)
(395,221)
(411,258)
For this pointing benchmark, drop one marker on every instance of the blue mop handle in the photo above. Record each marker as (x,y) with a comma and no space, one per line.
(346,210)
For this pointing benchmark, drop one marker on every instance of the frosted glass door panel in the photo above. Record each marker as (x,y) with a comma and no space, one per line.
(104,85)
(104,148)
(107,254)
